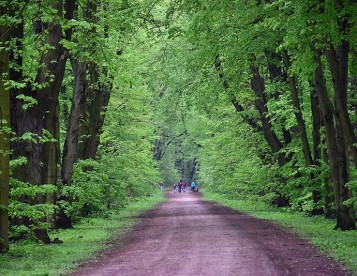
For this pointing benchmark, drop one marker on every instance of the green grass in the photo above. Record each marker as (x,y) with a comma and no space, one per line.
(341,245)
(81,243)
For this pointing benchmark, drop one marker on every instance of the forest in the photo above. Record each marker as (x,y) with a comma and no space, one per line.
(101,100)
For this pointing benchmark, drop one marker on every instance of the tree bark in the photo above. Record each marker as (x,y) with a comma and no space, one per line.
(238,107)
(276,74)
(315,193)
(70,148)
(338,63)
(4,145)
(298,113)
(316,143)
(250,121)
(258,86)
(97,102)
(336,151)
(43,157)
(97,95)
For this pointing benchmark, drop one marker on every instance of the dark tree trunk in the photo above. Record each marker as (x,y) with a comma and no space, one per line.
(98,94)
(70,148)
(329,198)
(276,74)
(266,128)
(258,86)
(97,102)
(238,107)
(54,65)
(336,152)
(250,121)
(298,113)
(316,194)
(345,214)
(42,119)
(76,116)
(316,142)
(4,144)
(316,125)
(338,62)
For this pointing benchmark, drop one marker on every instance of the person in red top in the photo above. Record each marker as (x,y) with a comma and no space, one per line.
(184,186)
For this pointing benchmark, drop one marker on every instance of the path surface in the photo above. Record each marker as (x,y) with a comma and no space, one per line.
(189,236)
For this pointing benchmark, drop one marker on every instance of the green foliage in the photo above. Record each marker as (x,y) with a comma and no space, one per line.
(85,194)
(338,244)
(23,207)
(28,101)
(194,95)
(173,69)
(80,244)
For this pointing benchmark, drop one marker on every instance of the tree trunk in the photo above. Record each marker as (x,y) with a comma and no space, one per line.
(338,63)
(316,142)
(52,166)
(315,193)
(4,147)
(98,94)
(257,84)
(276,74)
(238,107)
(42,118)
(71,143)
(336,152)
(97,102)
(345,214)
(70,148)
(298,113)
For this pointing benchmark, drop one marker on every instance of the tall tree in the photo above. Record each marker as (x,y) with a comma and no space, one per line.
(42,118)
(336,151)
(4,136)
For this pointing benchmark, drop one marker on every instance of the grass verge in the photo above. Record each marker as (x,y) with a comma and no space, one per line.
(81,243)
(340,245)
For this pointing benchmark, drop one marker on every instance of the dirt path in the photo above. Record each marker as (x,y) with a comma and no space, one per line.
(189,236)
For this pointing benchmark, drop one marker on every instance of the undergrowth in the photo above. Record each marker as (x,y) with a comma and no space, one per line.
(81,243)
(340,245)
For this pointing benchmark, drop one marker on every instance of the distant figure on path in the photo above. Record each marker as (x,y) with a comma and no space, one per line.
(161,186)
(184,186)
(180,186)
(193,186)
(174,187)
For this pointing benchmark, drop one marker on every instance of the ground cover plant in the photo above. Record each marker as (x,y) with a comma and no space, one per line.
(82,243)
(100,101)
(319,231)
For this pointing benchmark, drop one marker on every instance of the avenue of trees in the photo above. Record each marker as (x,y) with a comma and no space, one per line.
(100,100)
(71,68)
(266,95)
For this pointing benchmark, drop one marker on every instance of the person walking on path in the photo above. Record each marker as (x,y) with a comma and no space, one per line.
(161,186)
(184,186)
(180,186)
(193,186)
(174,187)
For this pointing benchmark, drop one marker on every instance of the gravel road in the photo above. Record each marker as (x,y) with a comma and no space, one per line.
(189,236)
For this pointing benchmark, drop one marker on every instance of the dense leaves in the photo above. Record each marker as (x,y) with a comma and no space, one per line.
(252,99)
(279,65)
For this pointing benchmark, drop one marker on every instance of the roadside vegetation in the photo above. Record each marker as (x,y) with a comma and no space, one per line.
(82,243)
(319,231)
(100,101)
